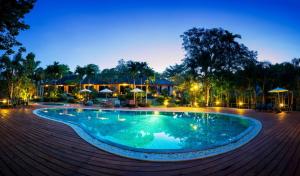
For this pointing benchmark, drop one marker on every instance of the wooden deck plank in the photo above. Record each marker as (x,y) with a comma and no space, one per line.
(35,146)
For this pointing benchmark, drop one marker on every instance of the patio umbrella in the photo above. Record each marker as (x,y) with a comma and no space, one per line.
(85,91)
(136,90)
(106,91)
(278,90)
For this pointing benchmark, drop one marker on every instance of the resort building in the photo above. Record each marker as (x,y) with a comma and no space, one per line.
(68,83)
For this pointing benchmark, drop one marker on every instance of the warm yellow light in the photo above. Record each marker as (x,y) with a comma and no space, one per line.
(79,110)
(217,102)
(241,103)
(281,104)
(46,85)
(115,94)
(195,104)
(195,87)
(156,112)
(166,102)
(4,101)
(124,84)
(194,127)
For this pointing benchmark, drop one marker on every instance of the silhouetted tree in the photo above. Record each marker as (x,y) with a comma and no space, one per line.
(11,22)
(209,51)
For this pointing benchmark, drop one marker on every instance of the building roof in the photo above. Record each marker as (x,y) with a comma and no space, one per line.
(71,79)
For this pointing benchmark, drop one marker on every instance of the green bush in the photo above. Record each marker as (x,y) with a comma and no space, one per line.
(144,104)
(71,100)
(160,100)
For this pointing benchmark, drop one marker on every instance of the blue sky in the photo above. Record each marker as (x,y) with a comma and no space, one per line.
(79,32)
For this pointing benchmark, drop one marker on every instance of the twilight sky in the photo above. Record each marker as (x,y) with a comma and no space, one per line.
(79,32)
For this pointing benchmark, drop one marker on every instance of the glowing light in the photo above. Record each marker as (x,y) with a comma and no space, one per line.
(79,110)
(121,119)
(61,113)
(166,102)
(217,102)
(102,118)
(195,104)
(241,103)
(194,127)
(115,94)
(46,85)
(156,112)
(281,104)
(194,87)
(124,84)
(4,101)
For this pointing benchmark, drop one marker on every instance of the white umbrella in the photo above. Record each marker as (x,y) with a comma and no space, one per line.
(136,90)
(106,91)
(85,90)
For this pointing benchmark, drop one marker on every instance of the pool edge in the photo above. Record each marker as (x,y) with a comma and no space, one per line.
(162,157)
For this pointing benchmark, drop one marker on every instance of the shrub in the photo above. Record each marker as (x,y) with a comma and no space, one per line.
(71,100)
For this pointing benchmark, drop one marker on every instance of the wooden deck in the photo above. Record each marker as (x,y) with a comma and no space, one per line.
(30,145)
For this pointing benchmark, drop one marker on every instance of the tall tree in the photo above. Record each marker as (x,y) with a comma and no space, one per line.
(56,71)
(30,65)
(209,51)
(12,13)
(92,70)
(11,70)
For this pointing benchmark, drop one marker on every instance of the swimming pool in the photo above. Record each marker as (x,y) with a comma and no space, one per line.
(157,136)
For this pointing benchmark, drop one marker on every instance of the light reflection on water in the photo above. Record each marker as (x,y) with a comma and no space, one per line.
(154,130)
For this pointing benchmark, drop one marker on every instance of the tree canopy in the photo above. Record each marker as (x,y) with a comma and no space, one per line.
(12,13)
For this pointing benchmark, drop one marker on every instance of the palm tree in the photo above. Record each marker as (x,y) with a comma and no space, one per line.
(91,71)
(56,71)
(133,68)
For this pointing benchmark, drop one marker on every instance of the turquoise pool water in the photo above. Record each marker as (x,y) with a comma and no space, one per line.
(155,132)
